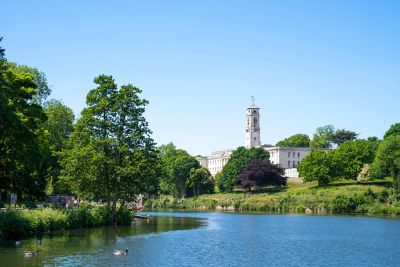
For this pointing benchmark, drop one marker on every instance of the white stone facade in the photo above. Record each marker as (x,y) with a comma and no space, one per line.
(287,157)
(253,127)
(217,160)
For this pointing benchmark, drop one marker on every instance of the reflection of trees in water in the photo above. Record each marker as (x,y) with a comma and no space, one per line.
(58,246)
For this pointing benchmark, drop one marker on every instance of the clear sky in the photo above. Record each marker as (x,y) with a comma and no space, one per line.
(308,63)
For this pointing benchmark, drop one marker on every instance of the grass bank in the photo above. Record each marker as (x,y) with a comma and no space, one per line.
(342,197)
(22,223)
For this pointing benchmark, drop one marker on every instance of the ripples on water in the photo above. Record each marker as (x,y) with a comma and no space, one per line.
(222,239)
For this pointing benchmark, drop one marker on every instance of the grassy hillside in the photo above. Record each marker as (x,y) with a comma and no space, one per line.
(342,197)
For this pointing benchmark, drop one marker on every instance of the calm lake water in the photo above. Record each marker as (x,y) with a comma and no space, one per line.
(221,239)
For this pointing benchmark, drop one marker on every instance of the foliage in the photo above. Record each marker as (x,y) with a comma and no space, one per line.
(259,173)
(297,140)
(318,166)
(22,223)
(22,144)
(393,130)
(364,174)
(200,181)
(341,135)
(387,159)
(322,137)
(39,78)
(344,196)
(236,164)
(327,136)
(177,165)
(58,129)
(110,154)
(351,156)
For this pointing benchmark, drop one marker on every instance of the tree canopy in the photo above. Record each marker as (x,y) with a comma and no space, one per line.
(351,156)
(111,155)
(259,173)
(236,164)
(341,135)
(22,143)
(327,136)
(322,137)
(393,130)
(387,160)
(296,140)
(318,166)
(182,174)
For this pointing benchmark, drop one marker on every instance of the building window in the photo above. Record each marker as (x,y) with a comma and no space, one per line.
(298,154)
(288,163)
(288,155)
(298,163)
(294,164)
(293,154)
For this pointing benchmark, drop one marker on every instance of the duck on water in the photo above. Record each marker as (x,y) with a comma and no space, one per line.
(119,252)
(31,253)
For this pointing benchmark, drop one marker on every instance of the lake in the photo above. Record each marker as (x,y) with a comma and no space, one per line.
(220,239)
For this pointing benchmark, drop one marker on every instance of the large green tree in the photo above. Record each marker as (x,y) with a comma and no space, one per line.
(21,137)
(39,78)
(322,137)
(58,129)
(318,166)
(200,181)
(393,130)
(177,167)
(351,156)
(342,135)
(387,159)
(110,154)
(296,140)
(236,164)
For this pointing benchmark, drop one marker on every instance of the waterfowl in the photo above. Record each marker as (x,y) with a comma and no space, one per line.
(17,243)
(31,253)
(119,252)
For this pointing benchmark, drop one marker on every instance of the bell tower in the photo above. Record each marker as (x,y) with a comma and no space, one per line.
(253,126)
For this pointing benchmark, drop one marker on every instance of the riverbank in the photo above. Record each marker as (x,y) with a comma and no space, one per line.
(15,224)
(342,197)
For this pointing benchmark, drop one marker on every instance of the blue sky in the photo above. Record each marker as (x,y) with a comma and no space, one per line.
(308,63)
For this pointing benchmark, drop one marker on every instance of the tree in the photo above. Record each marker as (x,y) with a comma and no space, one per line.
(58,129)
(39,78)
(259,173)
(21,139)
(322,137)
(177,165)
(110,154)
(341,135)
(318,166)
(200,181)
(351,156)
(387,159)
(393,130)
(235,165)
(180,173)
(297,140)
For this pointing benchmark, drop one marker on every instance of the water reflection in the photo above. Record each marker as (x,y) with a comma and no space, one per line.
(86,246)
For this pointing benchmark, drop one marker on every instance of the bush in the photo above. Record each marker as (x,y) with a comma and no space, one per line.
(21,223)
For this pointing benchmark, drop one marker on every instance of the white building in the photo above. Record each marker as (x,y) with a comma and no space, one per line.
(287,157)
(216,162)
